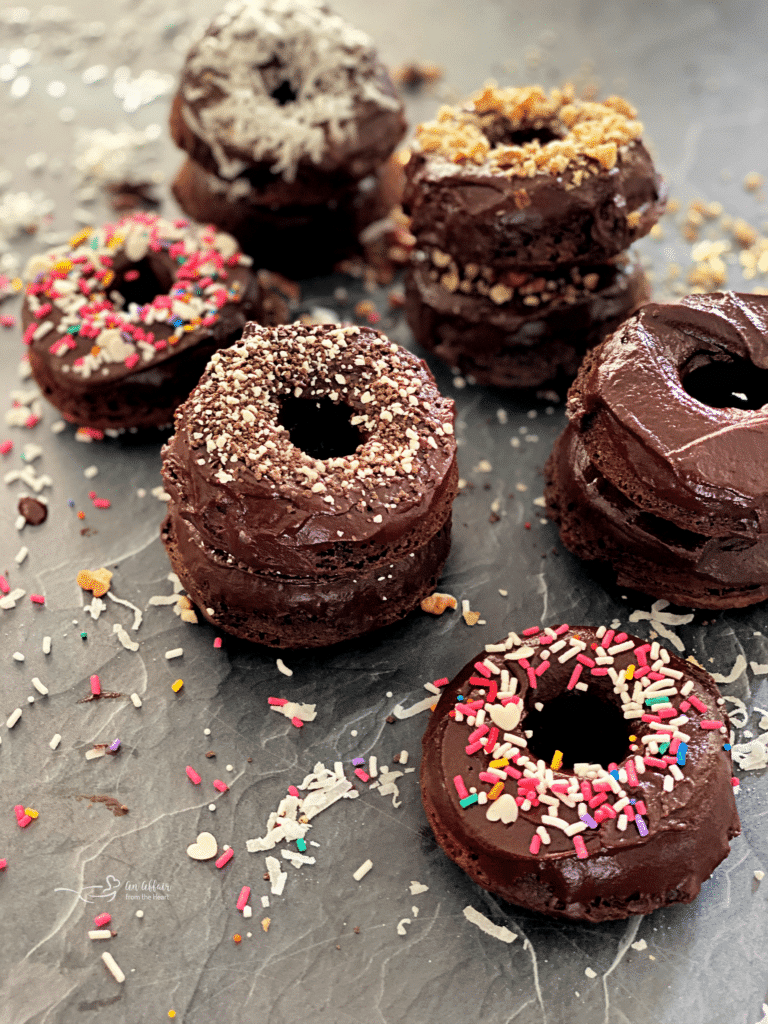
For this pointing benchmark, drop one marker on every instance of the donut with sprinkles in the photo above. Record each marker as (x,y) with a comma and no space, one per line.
(121,322)
(311,474)
(581,772)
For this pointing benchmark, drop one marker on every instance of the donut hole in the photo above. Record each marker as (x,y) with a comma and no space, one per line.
(141,282)
(284,94)
(725,383)
(319,427)
(582,726)
(503,132)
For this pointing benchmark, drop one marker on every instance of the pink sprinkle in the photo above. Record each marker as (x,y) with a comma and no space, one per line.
(586,790)
(473,748)
(192,775)
(3,864)
(131,360)
(632,779)
(546,640)
(510,700)
(461,789)
(620,638)
(666,713)
(562,629)
(599,671)
(642,671)
(297,722)
(735,782)
(4,585)
(101,919)
(559,787)
(601,786)
(225,858)
(489,777)
(37,598)
(605,643)
(101,503)
(493,691)
(541,668)
(514,773)
(362,775)
(629,810)
(694,701)
(292,791)
(531,631)
(481,730)
(640,807)
(221,786)
(243,898)
(599,814)
(441,682)
(673,747)
(24,820)
(655,676)
(535,844)
(7,320)
(217,642)
(641,654)
(581,848)
(655,762)
(131,275)
(711,723)
(18,810)
(5,447)
(585,660)
(607,811)
(685,705)
(598,799)
(532,680)
(490,743)
(277,702)
(31,421)
(575,676)
(95,686)
(483,669)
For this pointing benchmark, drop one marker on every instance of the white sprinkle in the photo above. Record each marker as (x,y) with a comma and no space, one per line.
(136,700)
(58,426)
(281,667)
(590,973)
(90,472)
(17,656)
(94,752)
(211,807)
(100,933)
(112,967)
(361,872)
(13,718)
(175,653)
(139,914)
(206,732)
(46,645)
(265,901)
(21,555)
(40,687)
(416,888)
(640,945)
(247,910)
(496,931)
(55,741)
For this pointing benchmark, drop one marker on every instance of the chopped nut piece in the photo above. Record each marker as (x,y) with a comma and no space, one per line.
(437,603)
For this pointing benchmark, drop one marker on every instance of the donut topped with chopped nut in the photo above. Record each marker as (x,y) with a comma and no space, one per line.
(299,436)
(147,301)
(521,177)
(288,88)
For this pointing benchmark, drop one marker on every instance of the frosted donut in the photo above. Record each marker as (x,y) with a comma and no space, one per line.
(311,475)
(582,773)
(288,95)
(518,178)
(121,322)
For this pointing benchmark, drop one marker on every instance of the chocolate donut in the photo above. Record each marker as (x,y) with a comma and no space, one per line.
(582,773)
(288,92)
(521,179)
(311,475)
(661,471)
(122,322)
(521,336)
(287,115)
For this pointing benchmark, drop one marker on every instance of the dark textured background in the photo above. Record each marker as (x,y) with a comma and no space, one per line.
(696,72)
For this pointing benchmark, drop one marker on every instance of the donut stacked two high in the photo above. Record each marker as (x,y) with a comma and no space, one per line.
(287,117)
(523,204)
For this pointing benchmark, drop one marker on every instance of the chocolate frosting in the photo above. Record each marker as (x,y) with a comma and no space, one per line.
(701,467)
(534,223)
(625,872)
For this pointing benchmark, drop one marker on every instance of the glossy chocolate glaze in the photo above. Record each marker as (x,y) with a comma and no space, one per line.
(265,517)
(599,523)
(697,466)
(534,223)
(624,873)
(515,345)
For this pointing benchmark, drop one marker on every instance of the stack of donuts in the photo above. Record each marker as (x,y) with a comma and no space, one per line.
(288,118)
(523,204)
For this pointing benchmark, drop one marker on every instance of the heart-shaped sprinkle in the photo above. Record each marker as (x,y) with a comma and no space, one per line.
(206,847)
(506,716)
(504,809)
